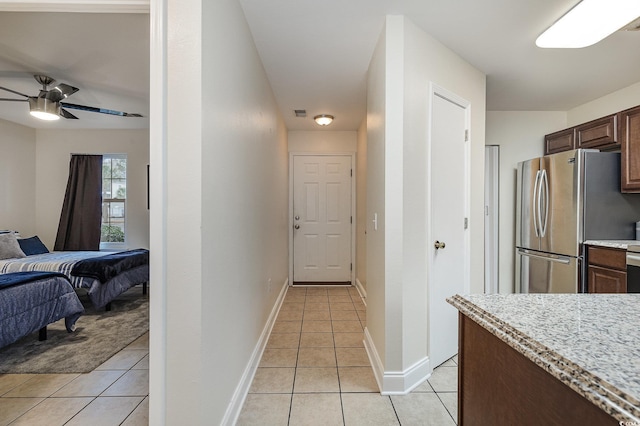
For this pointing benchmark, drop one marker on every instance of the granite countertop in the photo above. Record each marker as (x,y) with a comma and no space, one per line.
(590,342)
(620,244)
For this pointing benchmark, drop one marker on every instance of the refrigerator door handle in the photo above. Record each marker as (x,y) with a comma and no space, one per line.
(536,199)
(543,227)
(551,258)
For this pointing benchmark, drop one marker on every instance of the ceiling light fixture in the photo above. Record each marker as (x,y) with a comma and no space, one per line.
(323,119)
(44,109)
(589,22)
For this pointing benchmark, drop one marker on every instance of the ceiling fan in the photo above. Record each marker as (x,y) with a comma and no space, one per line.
(48,105)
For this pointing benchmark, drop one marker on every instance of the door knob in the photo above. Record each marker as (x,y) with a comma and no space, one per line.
(438,245)
(296,226)
(297,218)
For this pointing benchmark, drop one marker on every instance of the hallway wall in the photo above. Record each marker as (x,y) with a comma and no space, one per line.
(226,210)
(361,207)
(405,61)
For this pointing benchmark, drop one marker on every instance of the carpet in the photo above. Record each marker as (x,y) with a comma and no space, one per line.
(98,336)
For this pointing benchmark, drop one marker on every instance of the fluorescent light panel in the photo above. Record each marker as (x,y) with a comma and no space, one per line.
(589,22)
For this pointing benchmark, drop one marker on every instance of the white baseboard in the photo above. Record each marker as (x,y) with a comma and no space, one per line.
(362,291)
(396,382)
(240,394)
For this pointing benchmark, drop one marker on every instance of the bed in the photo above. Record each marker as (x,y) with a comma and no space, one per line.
(104,275)
(29,301)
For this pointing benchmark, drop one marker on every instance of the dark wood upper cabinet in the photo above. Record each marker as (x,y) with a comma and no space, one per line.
(601,133)
(630,149)
(564,140)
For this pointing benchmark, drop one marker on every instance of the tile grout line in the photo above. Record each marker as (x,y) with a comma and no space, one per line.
(295,369)
(335,354)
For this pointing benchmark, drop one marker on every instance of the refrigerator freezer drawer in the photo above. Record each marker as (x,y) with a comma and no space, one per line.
(540,272)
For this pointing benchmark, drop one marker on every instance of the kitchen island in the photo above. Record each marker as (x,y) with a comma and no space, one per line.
(545,359)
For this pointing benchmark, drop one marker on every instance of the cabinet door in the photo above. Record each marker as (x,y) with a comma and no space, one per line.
(601,133)
(604,280)
(564,140)
(630,149)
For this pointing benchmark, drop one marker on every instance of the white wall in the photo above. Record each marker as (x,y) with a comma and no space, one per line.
(405,61)
(53,153)
(17,178)
(322,141)
(361,206)
(375,256)
(617,101)
(226,216)
(520,135)
(427,60)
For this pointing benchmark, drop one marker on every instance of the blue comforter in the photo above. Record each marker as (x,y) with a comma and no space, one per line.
(106,267)
(9,280)
(28,306)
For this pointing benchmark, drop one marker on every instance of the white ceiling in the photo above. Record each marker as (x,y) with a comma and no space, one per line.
(316,55)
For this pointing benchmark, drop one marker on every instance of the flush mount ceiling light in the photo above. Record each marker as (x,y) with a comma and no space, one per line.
(589,22)
(323,119)
(44,109)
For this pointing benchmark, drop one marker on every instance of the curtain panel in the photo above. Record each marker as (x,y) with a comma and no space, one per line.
(81,216)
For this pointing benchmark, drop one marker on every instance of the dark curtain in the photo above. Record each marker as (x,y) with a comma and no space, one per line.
(79,227)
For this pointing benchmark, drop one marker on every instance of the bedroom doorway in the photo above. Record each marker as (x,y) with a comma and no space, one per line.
(322,219)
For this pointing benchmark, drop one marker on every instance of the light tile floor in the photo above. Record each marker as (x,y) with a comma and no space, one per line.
(315,371)
(115,393)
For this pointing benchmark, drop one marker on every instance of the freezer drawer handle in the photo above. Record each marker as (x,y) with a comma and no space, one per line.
(550,258)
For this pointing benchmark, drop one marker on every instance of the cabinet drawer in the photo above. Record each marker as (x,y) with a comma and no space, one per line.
(607,257)
(600,133)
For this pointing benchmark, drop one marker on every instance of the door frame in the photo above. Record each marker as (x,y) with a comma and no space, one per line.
(491,218)
(352,156)
(433,91)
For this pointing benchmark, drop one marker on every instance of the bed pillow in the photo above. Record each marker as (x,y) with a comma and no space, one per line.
(9,247)
(33,245)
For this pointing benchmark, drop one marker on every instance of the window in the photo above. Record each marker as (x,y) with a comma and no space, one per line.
(114,197)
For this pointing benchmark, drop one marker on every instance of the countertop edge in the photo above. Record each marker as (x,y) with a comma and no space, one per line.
(597,391)
(617,244)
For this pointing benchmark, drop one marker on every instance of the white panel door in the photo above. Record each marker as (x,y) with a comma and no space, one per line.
(448,226)
(321,218)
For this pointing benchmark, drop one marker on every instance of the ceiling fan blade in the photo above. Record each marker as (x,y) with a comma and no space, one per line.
(14,100)
(67,114)
(100,110)
(60,92)
(13,91)
(65,89)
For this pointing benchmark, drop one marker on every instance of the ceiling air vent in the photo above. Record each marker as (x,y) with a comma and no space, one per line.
(300,113)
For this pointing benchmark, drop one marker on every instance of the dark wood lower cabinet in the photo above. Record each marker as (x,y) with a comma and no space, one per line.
(499,386)
(605,280)
(607,270)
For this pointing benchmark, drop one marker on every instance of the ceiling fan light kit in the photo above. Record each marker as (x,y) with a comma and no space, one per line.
(323,119)
(589,22)
(47,105)
(44,109)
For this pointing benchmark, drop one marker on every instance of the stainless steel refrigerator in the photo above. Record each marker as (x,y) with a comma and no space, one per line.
(563,200)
